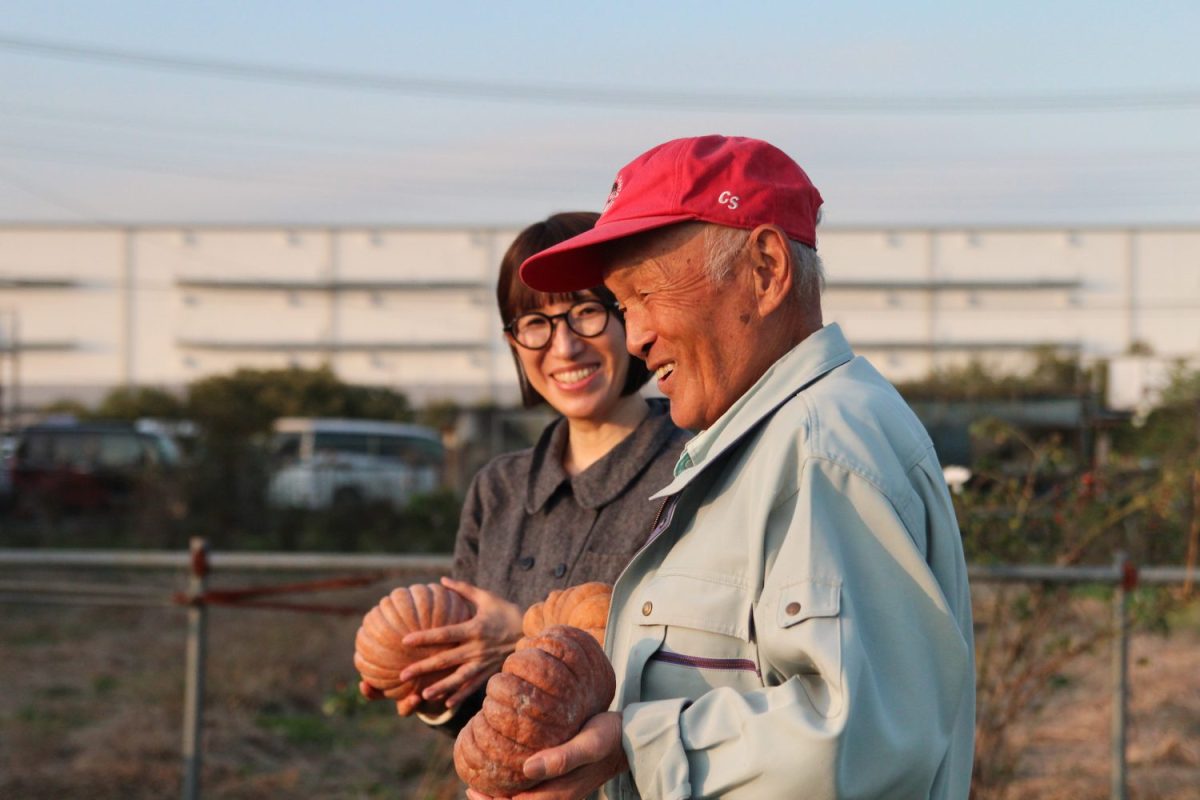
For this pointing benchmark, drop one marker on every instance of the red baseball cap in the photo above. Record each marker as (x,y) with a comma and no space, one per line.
(726,180)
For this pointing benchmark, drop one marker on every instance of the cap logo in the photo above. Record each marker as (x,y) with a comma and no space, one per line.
(613,193)
(728,199)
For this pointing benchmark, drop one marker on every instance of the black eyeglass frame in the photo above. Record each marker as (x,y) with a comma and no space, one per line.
(610,309)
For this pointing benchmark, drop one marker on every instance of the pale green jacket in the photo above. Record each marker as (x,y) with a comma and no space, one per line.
(800,624)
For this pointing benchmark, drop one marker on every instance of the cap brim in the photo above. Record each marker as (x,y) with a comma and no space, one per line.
(579,262)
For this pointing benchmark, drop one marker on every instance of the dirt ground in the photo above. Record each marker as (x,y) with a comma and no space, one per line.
(91,707)
(1065,746)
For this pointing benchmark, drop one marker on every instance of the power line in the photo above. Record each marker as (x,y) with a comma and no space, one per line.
(620,97)
(52,198)
(198,128)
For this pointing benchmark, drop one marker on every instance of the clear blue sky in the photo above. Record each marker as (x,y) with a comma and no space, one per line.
(90,137)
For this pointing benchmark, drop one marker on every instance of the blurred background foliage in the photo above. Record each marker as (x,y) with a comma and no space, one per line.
(1034,496)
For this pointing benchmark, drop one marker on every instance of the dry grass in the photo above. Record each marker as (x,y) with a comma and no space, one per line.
(92,707)
(92,697)
(1065,744)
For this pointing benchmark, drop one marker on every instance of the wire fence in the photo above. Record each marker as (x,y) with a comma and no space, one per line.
(365,569)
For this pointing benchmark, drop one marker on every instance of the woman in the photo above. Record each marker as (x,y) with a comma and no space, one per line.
(574,508)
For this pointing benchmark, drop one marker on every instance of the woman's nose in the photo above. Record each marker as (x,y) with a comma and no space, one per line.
(564,341)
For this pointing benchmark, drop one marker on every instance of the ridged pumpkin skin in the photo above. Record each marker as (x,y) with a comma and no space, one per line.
(546,690)
(584,606)
(380,654)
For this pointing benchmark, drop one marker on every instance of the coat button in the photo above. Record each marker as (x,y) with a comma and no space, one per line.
(526,562)
(560,570)
(647,607)
(792,609)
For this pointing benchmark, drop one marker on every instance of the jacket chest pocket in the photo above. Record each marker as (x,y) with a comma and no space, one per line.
(705,630)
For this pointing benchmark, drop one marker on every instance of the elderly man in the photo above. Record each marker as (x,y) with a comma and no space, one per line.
(799,624)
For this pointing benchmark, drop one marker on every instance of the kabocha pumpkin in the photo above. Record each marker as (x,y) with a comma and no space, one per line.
(379,652)
(553,683)
(584,606)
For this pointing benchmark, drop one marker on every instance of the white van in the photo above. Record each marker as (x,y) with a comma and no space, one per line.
(322,462)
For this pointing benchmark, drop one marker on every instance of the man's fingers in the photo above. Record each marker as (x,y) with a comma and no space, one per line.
(474,795)
(600,738)
(556,761)
(368,691)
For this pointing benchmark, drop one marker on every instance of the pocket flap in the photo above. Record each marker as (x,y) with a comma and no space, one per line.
(808,599)
(690,601)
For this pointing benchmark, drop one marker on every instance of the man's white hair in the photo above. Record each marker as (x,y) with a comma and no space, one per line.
(722,245)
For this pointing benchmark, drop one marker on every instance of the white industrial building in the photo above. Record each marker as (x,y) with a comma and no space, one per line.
(86,308)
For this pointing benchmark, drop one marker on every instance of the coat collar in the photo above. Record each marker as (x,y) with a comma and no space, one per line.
(601,482)
(805,363)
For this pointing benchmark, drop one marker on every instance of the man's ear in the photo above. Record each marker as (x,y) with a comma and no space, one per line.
(771,267)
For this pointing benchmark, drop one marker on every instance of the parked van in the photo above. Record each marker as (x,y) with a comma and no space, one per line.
(83,466)
(319,463)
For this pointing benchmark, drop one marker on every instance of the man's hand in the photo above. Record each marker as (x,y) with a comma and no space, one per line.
(483,642)
(579,766)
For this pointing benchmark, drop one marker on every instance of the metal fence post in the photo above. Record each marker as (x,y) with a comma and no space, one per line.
(1126,582)
(193,705)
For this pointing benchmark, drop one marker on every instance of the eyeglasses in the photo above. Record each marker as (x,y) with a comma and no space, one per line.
(534,330)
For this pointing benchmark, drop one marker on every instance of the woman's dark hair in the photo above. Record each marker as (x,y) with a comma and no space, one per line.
(515,298)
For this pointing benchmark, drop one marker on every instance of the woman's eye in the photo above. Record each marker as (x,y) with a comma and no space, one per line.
(535,324)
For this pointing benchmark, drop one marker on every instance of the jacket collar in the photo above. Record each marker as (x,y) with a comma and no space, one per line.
(805,363)
(601,482)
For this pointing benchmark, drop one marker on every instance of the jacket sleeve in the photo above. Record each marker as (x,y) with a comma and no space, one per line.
(864,665)
(466,540)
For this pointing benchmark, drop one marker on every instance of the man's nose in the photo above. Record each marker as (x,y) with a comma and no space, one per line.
(638,337)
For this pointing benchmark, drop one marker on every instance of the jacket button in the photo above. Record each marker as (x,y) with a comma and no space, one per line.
(526,562)
(792,609)
(560,570)
(647,607)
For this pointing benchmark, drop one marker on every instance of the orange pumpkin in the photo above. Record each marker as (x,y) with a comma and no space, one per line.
(379,652)
(545,692)
(584,606)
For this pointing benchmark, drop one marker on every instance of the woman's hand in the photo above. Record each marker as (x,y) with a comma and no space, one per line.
(483,642)
(577,767)
(405,706)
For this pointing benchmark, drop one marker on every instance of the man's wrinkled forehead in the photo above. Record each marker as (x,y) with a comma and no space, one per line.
(657,250)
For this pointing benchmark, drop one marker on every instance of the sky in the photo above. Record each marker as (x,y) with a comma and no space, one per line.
(497,113)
